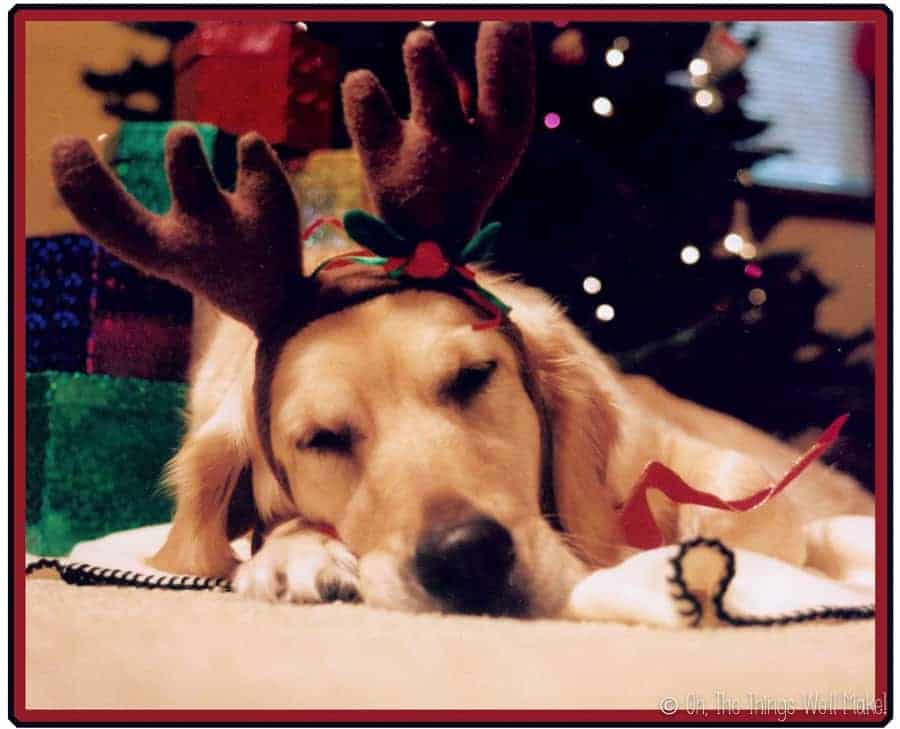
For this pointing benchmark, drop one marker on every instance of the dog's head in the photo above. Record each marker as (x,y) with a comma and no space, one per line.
(456,463)
(424,443)
(450,459)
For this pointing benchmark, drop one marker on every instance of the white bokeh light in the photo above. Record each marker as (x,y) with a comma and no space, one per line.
(605,312)
(602,106)
(698,67)
(733,243)
(690,255)
(615,57)
(704,98)
(592,285)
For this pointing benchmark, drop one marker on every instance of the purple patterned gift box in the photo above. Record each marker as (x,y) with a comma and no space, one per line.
(59,291)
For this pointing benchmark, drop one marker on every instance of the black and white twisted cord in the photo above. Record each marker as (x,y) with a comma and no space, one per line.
(82,574)
(695,612)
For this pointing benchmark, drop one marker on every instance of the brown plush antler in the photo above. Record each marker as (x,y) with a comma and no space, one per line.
(241,250)
(434,175)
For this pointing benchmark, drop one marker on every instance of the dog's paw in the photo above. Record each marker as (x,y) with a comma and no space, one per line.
(301,568)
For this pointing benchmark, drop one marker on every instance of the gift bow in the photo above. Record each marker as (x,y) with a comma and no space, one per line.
(426,261)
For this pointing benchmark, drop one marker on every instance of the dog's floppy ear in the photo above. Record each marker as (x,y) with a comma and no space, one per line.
(204,475)
(583,398)
(223,487)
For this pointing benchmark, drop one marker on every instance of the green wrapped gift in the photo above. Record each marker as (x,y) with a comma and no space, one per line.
(96,449)
(137,156)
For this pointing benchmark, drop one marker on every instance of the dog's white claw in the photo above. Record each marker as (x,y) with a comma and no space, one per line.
(300,568)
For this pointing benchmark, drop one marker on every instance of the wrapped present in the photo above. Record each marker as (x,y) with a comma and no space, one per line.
(140,345)
(329,184)
(137,155)
(96,448)
(273,78)
(60,291)
(140,325)
(122,289)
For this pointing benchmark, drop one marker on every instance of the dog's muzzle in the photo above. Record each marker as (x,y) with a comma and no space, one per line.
(468,565)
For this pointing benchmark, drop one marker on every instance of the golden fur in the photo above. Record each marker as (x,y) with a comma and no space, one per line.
(377,368)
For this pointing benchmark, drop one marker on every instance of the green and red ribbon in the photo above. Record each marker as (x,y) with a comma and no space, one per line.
(424,260)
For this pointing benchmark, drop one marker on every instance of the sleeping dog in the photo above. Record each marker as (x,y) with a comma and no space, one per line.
(459,464)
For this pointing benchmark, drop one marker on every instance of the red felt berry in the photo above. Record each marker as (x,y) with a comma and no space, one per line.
(427,261)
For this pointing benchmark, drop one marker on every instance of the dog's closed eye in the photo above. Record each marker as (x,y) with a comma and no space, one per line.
(468,382)
(328,441)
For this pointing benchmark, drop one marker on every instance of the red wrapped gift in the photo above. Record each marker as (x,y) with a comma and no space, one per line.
(273,78)
(126,344)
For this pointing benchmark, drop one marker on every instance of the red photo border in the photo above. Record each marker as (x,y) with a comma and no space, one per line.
(882,19)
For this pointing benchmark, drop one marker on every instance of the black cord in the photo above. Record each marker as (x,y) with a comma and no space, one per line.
(855,612)
(82,574)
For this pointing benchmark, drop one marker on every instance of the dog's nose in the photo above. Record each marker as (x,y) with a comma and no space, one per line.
(466,565)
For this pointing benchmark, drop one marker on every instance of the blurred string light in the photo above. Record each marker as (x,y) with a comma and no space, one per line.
(751,317)
(757,297)
(592,285)
(736,244)
(602,106)
(301,26)
(605,312)
(733,243)
(690,255)
(614,57)
(428,23)
(704,98)
(552,120)
(753,270)
(808,352)
(698,67)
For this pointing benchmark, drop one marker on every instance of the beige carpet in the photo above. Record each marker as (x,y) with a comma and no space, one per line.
(108,647)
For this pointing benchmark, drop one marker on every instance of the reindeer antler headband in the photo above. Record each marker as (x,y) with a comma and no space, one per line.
(431,178)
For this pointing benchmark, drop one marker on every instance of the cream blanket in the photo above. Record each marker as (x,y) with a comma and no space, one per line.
(701,582)
(114,647)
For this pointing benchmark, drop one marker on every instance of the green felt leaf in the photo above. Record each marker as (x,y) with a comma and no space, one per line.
(481,246)
(374,234)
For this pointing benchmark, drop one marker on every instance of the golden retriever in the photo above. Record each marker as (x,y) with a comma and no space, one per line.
(402,426)
(460,469)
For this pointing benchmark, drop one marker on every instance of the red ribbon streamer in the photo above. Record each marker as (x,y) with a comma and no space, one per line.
(641,529)
(318,223)
(323,528)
